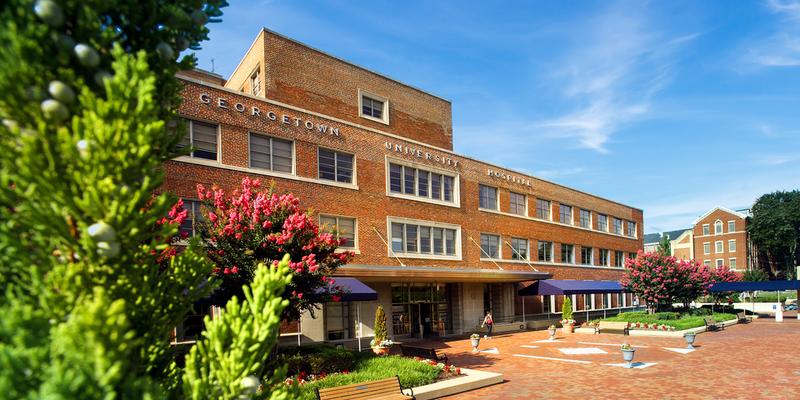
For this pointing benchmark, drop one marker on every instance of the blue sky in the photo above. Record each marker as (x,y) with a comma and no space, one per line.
(672,107)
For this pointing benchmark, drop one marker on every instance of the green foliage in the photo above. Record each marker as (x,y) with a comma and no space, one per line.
(775,230)
(664,246)
(410,371)
(317,359)
(235,345)
(755,275)
(679,322)
(380,325)
(566,308)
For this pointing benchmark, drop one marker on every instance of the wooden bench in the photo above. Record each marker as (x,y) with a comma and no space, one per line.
(388,389)
(614,326)
(743,317)
(712,324)
(429,353)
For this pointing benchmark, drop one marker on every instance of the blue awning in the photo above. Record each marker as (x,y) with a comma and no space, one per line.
(767,286)
(569,287)
(354,290)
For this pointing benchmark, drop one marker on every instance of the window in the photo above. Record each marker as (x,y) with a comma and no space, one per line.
(602,222)
(421,239)
(546,251)
(343,228)
(567,253)
(339,320)
(605,257)
(542,209)
(617,225)
(732,245)
(194,219)
(707,248)
(517,204)
(720,262)
(718,247)
(520,249)
(707,263)
(419,182)
(706,229)
(565,214)
(732,263)
(631,229)
(488,197)
(374,107)
(271,153)
(202,138)
(490,244)
(587,255)
(731,226)
(255,83)
(619,256)
(718,227)
(586,219)
(335,166)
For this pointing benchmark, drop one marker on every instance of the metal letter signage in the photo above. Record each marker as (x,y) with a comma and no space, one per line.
(422,154)
(521,180)
(270,116)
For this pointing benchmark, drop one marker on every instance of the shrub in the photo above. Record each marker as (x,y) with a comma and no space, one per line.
(566,309)
(667,315)
(380,325)
(317,359)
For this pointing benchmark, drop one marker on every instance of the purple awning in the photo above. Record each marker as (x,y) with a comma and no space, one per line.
(569,287)
(354,290)
(766,286)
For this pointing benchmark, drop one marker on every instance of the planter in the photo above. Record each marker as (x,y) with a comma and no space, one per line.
(689,337)
(475,343)
(627,355)
(568,328)
(380,350)
(552,333)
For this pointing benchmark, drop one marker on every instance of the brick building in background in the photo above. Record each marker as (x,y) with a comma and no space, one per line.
(440,236)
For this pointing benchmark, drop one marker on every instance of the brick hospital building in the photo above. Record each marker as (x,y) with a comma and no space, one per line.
(441,237)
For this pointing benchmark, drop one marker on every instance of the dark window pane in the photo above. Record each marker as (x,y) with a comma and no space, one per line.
(410,179)
(327,164)
(395,178)
(344,167)
(422,189)
(436,186)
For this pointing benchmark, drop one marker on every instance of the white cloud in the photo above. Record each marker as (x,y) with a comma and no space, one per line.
(782,47)
(776,159)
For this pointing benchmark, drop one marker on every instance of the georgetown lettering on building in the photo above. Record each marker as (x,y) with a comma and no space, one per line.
(269,115)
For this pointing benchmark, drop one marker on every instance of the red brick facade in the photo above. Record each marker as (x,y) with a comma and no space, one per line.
(706,242)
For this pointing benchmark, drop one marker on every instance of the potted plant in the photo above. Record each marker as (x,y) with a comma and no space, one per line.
(475,340)
(551,330)
(566,315)
(689,337)
(627,354)
(380,343)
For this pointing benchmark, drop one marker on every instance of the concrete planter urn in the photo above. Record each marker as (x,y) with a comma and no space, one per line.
(381,347)
(475,340)
(380,350)
(568,326)
(689,337)
(552,332)
(627,355)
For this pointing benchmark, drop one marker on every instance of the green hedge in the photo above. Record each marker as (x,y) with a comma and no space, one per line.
(411,372)
(316,359)
(673,319)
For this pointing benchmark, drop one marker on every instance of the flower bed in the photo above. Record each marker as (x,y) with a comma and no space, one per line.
(666,321)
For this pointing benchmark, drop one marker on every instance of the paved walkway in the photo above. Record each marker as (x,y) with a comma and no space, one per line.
(760,360)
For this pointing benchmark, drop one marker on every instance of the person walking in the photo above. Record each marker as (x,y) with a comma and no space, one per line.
(488,322)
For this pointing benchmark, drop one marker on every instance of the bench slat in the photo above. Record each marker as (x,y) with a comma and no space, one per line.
(388,388)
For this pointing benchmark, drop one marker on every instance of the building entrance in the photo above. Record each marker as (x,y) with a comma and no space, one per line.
(420,310)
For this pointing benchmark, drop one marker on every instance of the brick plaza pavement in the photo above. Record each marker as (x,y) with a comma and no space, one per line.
(760,360)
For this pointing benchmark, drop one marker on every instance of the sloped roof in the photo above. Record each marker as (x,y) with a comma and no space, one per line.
(652,238)
(721,208)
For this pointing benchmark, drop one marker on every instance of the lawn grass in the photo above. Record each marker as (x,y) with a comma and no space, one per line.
(680,323)
(411,372)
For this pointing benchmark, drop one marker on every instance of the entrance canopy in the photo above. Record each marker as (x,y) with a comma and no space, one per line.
(436,274)
(354,290)
(766,286)
(569,287)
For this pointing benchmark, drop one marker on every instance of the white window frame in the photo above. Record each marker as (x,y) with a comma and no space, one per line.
(190,121)
(608,226)
(385,114)
(729,226)
(549,208)
(499,246)
(256,73)
(524,200)
(731,249)
(456,203)
(527,250)
(571,221)
(572,253)
(354,248)
(718,223)
(591,255)
(496,197)
(719,262)
(719,247)
(353,177)
(590,218)
(706,229)
(552,251)
(731,262)
(635,228)
(433,224)
(706,248)
(271,171)
(614,227)
(608,258)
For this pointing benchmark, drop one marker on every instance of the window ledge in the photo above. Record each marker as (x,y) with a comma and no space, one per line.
(422,199)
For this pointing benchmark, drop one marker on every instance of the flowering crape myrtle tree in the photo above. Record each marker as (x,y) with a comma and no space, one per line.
(91,287)
(253,225)
(724,274)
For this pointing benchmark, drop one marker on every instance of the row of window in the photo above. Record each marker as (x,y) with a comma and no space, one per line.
(420,182)
(488,199)
(491,248)
(720,262)
(718,227)
(719,247)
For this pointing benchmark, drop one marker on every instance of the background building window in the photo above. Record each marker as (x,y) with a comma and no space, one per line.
(604,257)
(706,229)
(567,253)
(517,204)
(202,138)
(194,218)
(718,227)
(732,263)
(372,107)
(631,229)
(586,219)
(255,83)
(271,153)
(342,227)
(619,256)
(546,251)
(707,263)
(731,226)
(339,320)
(542,209)
(490,244)
(617,225)
(602,223)
(488,197)
(707,248)
(565,214)
(587,255)
(335,166)
(720,262)
(732,245)
(421,183)
(520,247)
(718,247)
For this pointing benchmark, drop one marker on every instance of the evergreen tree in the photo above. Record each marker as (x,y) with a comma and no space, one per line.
(380,326)
(91,284)
(665,246)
